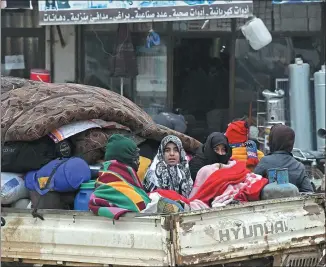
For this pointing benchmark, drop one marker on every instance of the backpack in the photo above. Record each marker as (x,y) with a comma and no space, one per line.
(21,156)
(60,175)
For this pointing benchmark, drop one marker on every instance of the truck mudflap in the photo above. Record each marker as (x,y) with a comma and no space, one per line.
(82,239)
(254,230)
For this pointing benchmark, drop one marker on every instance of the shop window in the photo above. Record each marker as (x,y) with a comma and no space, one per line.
(151,83)
(22,43)
(273,60)
(310,49)
(148,89)
(99,50)
(259,70)
(18,56)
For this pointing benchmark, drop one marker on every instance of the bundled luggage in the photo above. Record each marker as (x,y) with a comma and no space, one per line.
(21,157)
(12,188)
(53,166)
(60,175)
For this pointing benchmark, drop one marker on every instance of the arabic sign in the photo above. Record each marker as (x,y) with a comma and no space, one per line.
(296,1)
(100,12)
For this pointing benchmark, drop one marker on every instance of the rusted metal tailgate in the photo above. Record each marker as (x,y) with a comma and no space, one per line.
(80,238)
(249,231)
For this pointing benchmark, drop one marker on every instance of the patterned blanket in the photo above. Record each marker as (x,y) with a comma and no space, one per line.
(118,191)
(30,110)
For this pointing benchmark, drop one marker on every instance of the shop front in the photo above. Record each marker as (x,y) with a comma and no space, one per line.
(203,65)
(188,68)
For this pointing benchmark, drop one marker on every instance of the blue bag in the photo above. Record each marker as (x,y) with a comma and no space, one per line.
(60,175)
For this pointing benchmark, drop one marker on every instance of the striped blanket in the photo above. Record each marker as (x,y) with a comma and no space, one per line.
(118,191)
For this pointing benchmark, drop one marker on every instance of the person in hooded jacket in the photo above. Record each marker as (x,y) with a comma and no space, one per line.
(215,150)
(281,142)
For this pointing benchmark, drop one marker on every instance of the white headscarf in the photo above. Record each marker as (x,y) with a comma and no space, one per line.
(160,175)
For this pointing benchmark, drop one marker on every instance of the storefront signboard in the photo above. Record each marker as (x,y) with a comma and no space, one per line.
(296,1)
(100,12)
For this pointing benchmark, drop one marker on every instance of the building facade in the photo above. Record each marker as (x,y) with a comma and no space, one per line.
(210,72)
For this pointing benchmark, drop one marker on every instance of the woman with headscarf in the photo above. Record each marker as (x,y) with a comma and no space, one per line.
(281,142)
(218,154)
(118,189)
(219,179)
(169,169)
(215,150)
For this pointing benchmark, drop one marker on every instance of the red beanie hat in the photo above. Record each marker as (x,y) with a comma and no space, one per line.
(237,132)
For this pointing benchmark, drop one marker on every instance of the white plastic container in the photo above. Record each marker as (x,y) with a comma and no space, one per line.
(256,33)
(12,188)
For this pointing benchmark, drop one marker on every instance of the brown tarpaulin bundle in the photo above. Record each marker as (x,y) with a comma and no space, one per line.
(30,110)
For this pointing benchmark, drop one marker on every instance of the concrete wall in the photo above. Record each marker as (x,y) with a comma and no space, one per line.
(290,17)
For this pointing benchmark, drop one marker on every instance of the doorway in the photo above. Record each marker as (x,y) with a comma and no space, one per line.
(201,83)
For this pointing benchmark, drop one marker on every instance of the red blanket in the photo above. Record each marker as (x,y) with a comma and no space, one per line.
(218,184)
(170,194)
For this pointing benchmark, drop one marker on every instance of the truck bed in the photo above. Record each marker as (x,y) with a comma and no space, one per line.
(209,237)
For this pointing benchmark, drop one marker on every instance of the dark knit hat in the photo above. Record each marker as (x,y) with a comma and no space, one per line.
(122,149)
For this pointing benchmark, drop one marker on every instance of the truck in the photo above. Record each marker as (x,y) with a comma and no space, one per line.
(281,232)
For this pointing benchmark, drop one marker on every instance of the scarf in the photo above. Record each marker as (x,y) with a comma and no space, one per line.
(213,140)
(122,149)
(206,155)
(162,176)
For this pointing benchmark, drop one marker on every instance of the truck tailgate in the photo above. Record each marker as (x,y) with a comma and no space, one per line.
(247,231)
(80,237)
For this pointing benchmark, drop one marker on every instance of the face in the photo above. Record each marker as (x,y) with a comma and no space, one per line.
(171,154)
(220,149)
